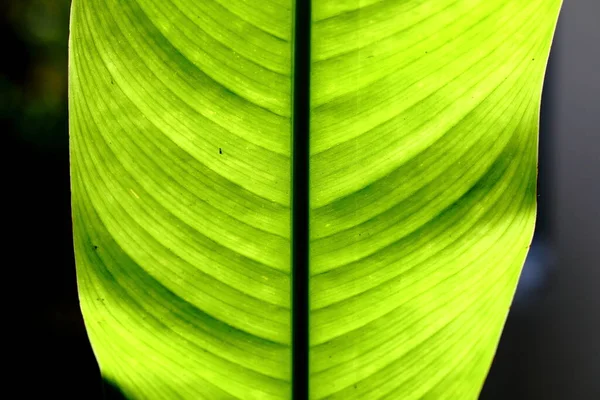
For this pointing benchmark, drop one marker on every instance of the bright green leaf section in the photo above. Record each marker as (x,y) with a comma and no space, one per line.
(424,119)
(423,182)
(180,146)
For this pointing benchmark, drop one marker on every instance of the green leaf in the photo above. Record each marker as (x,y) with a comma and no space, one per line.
(423,152)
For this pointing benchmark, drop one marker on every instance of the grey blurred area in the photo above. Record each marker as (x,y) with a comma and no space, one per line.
(570,324)
(572,313)
(550,348)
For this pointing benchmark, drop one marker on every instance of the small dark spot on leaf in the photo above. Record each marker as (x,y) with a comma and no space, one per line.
(355,386)
(112,82)
(95,247)
(220,150)
(425,52)
(370,56)
(533,59)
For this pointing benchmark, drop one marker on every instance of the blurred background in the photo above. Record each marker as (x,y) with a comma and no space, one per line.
(550,348)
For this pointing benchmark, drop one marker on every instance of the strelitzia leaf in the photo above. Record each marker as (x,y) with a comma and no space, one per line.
(186,125)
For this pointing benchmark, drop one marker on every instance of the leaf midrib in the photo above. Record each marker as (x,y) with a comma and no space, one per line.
(300,198)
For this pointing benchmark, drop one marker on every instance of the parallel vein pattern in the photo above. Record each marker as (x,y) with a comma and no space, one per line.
(423,151)
(423,179)
(180,150)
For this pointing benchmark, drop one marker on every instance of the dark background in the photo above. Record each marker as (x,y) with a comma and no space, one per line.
(550,348)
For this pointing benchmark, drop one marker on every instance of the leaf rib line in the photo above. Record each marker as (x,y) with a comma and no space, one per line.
(387,100)
(131,99)
(220,42)
(491,210)
(482,100)
(409,27)
(154,43)
(174,177)
(481,277)
(300,200)
(118,205)
(248,22)
(149,195)
(143,60)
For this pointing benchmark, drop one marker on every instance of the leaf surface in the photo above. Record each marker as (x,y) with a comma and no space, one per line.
(423,183)
(180,145)
(422,168)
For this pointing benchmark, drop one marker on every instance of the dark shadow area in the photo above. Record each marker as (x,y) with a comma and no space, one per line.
(48,349)
(112,392)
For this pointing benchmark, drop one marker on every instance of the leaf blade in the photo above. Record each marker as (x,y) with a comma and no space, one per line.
(423,168)
(180,149)
(181,200)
